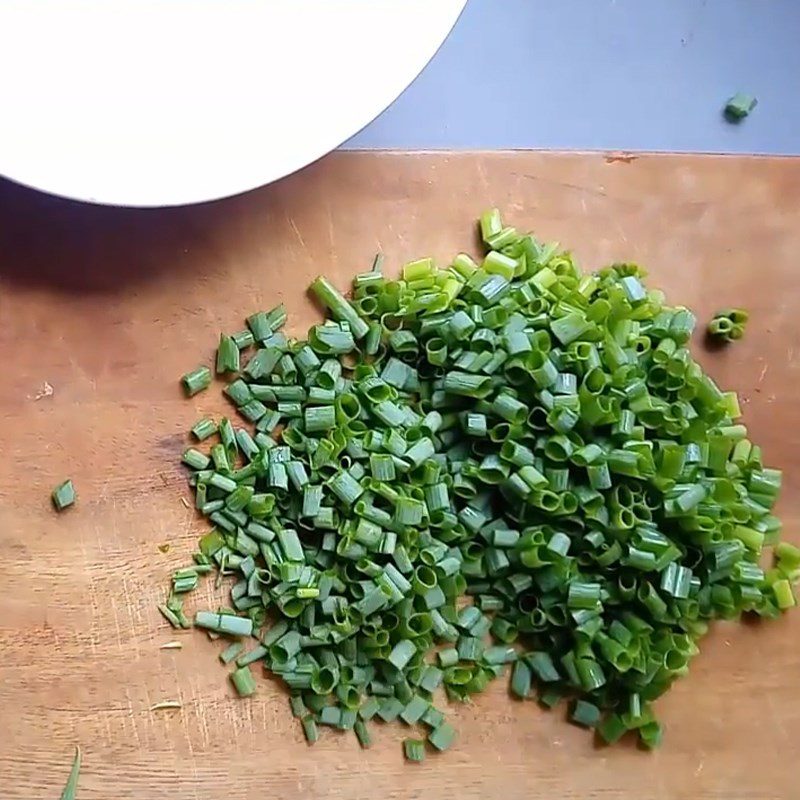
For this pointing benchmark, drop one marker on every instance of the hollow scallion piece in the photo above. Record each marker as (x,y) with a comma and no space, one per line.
(739,106)
(196,381)
(243,339)
(728,325)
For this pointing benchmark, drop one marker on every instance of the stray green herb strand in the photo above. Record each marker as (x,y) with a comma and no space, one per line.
(72,781)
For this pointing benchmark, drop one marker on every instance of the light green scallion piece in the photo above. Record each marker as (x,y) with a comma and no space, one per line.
(739,106)
(63,495)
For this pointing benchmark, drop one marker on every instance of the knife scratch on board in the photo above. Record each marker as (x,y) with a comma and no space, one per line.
(597,192)
(297,232)
(482,174)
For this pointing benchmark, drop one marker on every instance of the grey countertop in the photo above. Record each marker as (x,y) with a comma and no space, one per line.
(605,74)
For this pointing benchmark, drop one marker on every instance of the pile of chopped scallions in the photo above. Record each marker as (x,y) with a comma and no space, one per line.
(498,464)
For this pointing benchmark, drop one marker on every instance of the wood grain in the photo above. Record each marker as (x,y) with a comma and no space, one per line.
(110,306)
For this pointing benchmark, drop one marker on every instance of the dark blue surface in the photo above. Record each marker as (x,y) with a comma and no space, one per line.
(605,74)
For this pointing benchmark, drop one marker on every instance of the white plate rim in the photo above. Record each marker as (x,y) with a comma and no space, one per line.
(445,14)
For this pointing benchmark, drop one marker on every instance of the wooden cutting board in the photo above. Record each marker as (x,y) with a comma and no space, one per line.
(110,306)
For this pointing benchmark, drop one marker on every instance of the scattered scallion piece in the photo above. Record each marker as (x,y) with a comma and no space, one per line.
(728,325)
(204,428)
(166,705)
(63,495)
(310,729)
(511,429)
(243,681)
(414,749)
(442,737)
(227,354)
(739,106)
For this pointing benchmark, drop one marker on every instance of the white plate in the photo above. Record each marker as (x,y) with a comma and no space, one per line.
(165,102)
